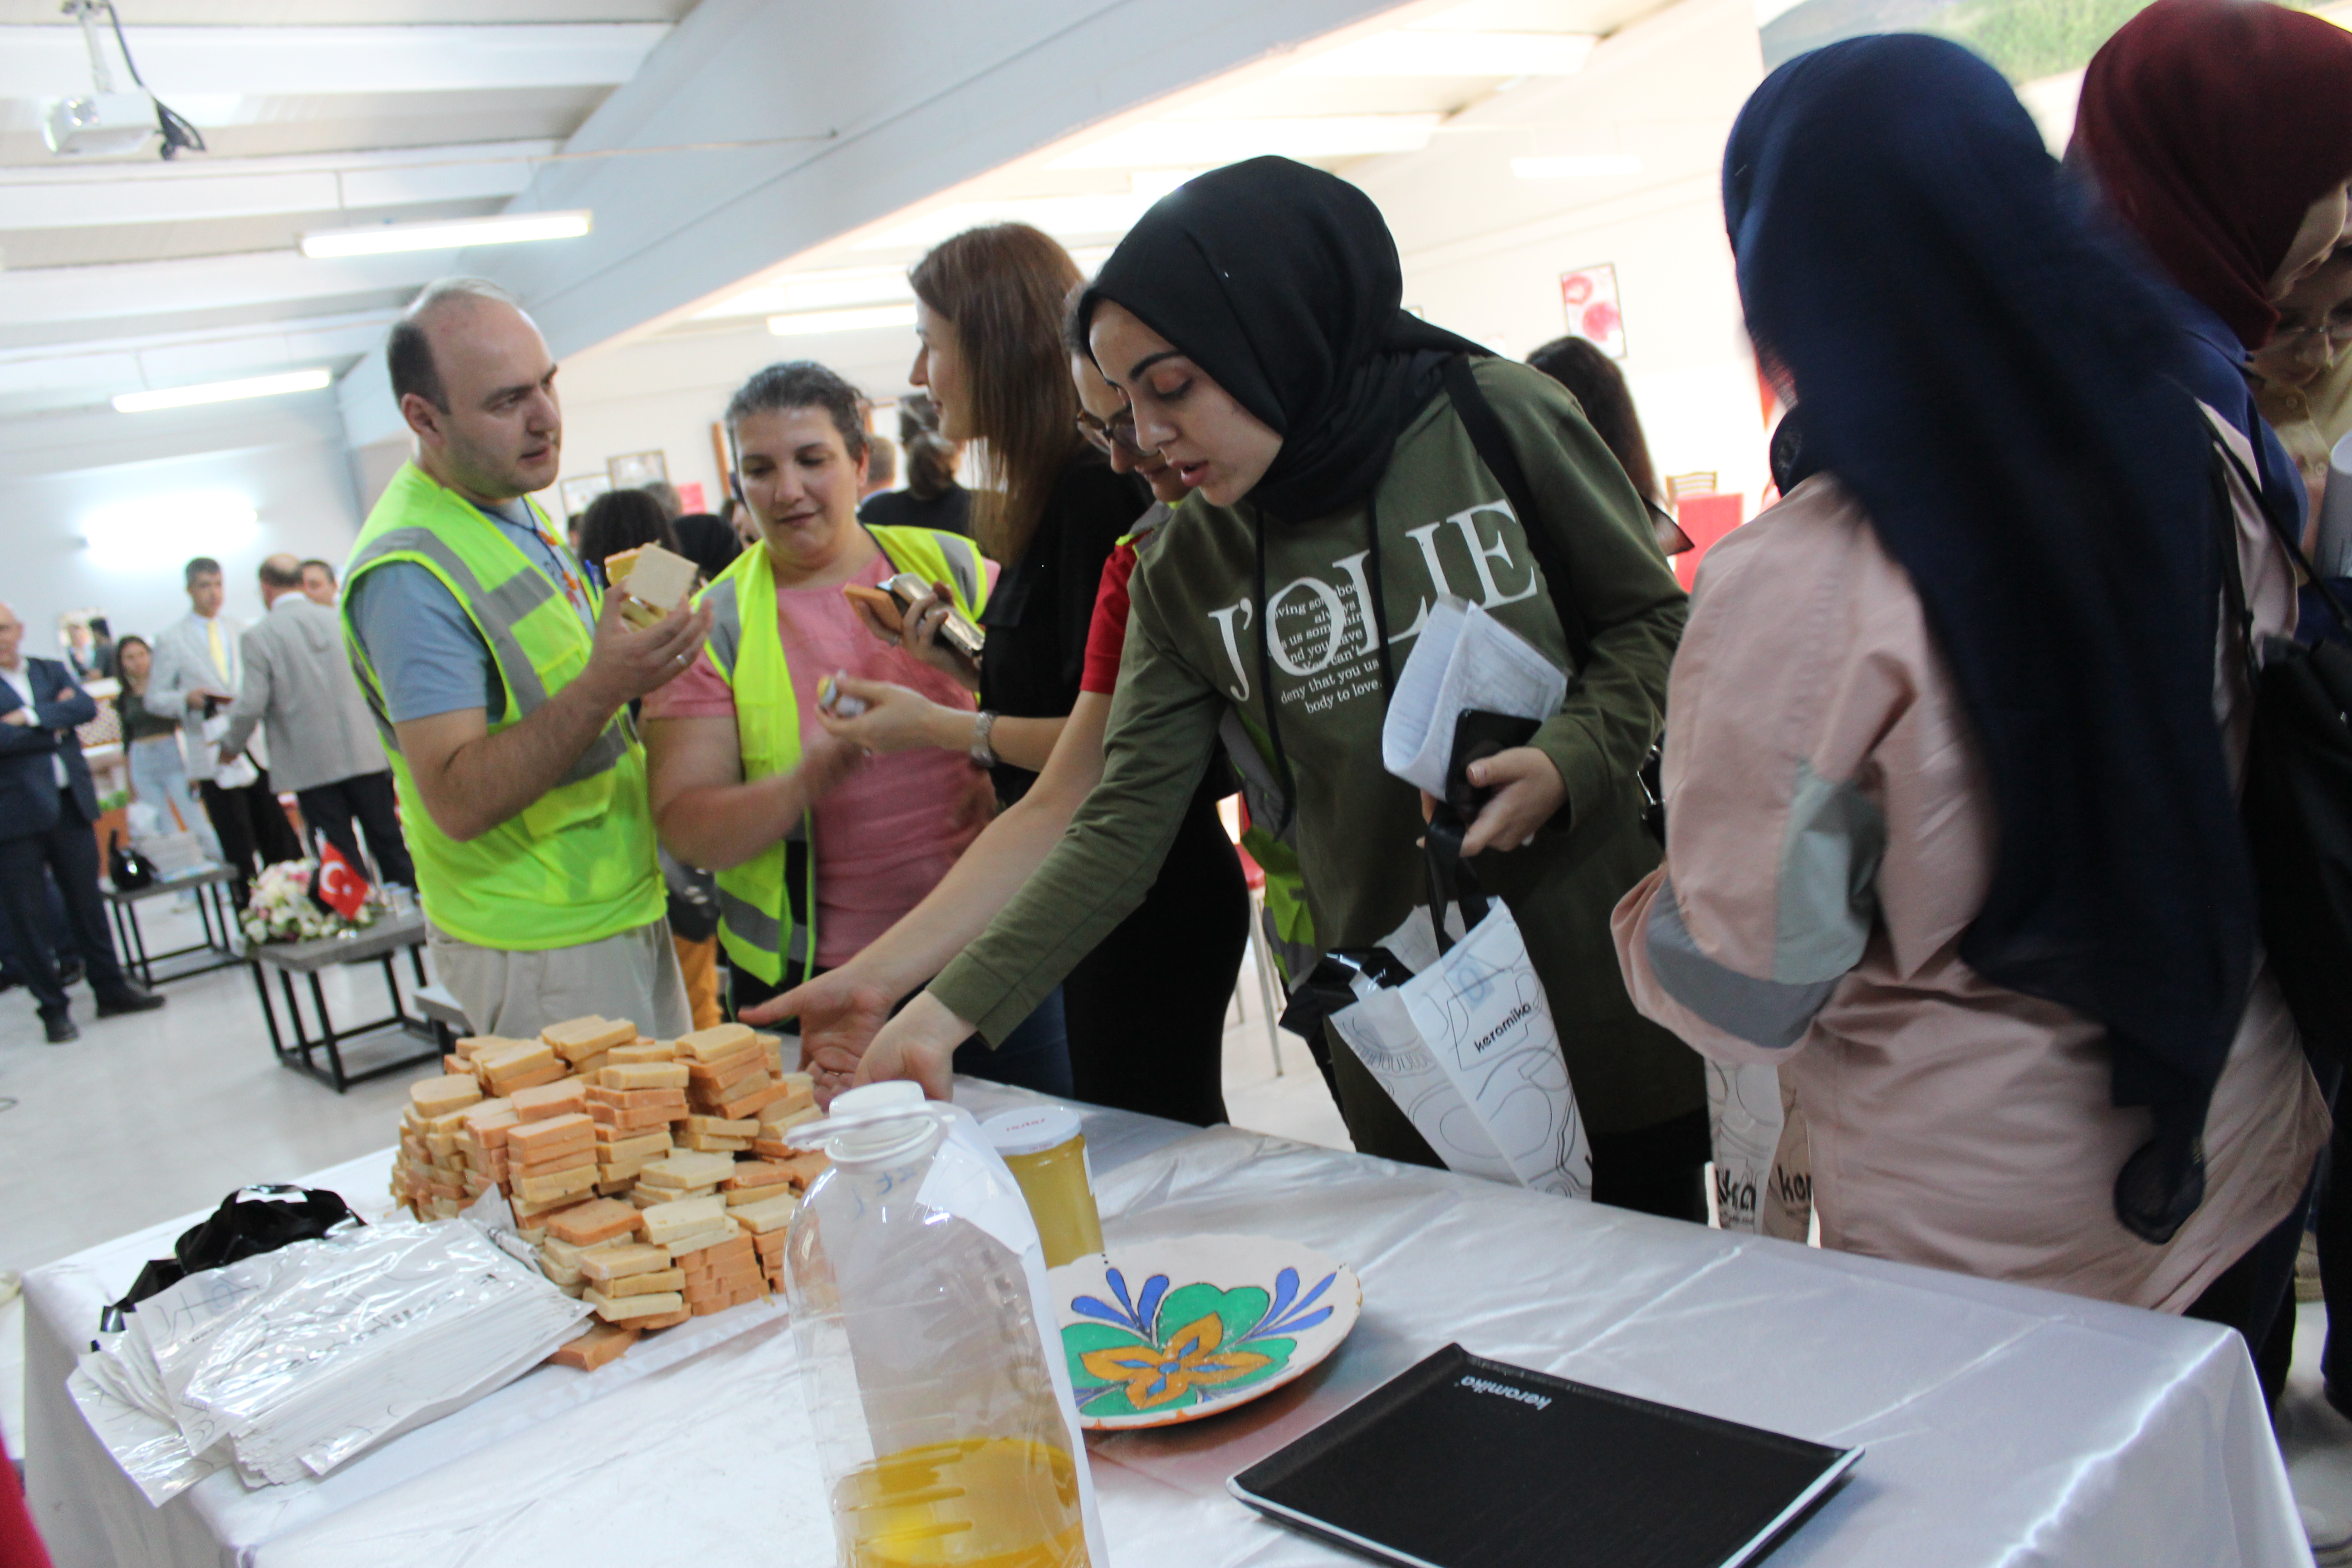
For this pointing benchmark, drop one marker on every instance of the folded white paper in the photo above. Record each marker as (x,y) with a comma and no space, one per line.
(1465,659)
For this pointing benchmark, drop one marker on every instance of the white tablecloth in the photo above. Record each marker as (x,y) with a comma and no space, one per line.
(2003,1425)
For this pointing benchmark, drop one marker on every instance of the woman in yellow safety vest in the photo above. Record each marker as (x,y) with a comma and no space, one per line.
(818,847)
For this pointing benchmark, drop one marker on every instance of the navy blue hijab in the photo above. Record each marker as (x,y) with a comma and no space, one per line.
(1997,389)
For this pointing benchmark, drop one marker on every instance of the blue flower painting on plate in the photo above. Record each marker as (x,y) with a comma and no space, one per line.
(1197,1344)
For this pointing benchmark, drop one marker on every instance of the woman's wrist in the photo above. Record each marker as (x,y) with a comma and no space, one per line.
(949,729)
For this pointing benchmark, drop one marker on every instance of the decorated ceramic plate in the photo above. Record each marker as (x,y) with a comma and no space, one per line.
(1164,1331)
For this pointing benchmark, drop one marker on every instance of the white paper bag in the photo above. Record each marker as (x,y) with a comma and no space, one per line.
(1469,1051)
(1744,1104)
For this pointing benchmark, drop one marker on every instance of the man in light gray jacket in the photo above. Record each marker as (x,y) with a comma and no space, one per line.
(298,681)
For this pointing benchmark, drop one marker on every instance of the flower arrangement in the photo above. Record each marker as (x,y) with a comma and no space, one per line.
(282,910)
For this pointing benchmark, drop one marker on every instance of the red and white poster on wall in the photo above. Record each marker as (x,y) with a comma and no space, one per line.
(1588,297)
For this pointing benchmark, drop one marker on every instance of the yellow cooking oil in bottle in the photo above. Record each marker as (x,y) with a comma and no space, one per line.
(983,1502)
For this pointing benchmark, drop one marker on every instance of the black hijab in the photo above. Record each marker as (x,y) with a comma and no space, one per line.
(1282,282)
(1997,390)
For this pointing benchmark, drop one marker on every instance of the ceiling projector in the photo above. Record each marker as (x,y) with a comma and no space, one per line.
(103,124)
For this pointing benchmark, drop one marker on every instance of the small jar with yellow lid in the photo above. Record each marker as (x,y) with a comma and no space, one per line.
(1047,1155)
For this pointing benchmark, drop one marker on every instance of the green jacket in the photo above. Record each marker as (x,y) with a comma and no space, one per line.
(1443,527)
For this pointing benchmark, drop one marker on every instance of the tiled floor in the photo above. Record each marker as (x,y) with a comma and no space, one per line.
(154,1116)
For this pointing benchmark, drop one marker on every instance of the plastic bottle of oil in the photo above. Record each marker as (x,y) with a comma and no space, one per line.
(946,1430)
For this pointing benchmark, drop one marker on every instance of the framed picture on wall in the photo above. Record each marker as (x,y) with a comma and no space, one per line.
(637,470)
(1588,297)
(577,493)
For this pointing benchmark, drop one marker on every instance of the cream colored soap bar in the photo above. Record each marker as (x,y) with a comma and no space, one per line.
(665,1223)
(763,1215)
(716,1043)
(654,576)
(621,1262)
(639,1054)
(647,1284)
(578,1038)
(445,1093)
(687,1168)
(643,1075)
(652,1305)
(560,1184)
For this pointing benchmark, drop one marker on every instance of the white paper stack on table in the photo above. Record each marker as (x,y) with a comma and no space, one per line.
(290,1364)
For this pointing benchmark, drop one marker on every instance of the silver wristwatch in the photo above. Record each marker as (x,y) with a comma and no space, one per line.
(982,754)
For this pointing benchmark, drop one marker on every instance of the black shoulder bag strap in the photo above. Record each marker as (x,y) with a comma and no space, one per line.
(1495,449)
(1486,433)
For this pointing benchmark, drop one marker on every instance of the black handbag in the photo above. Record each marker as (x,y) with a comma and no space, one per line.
(249,1222)
(127,868)
(2297,801)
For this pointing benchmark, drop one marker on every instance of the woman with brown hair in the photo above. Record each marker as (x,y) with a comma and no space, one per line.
(1146,1008)
(1598,387)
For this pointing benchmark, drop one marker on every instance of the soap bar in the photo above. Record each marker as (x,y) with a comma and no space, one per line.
(765,1214)
(578,1038)
(640,1054)
(636,1099)
(513,1060)
(718,1043)
(752,1175)
(655,579)
(527,1138)
(599,1345)
(556,1185)
(667,1222)
(636,1146)
(557,1098)
(620,1262)
(628,1307)
(593,1222)
(646,1284)
(442,1095)
(700,1240)
(571,1158)
(642,1076)
(685,1168)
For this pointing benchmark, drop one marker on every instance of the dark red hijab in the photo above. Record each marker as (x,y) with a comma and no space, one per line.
(2211,126)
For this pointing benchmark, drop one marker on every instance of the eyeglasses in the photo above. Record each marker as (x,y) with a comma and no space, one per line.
(2336,329)
(1119,433)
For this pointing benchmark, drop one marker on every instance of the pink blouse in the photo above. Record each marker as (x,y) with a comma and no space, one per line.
(887,833)
(1830,837)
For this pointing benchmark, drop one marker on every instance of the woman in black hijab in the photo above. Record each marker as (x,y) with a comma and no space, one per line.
(1253,321)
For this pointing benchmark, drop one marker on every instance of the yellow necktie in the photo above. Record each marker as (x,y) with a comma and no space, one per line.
(220,652)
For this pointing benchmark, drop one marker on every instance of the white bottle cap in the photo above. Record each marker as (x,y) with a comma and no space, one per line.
(876,1097)
(1030,1131)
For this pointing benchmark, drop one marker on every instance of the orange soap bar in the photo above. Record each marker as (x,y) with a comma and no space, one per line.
(590,1222)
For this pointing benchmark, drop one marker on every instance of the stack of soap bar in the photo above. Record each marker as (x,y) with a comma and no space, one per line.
(516,1065)
(428,1174)
(583,1042)
(765,1221)
(551,1162)
(482,1144)
(722,1275)
(729,1072)
(716,1135)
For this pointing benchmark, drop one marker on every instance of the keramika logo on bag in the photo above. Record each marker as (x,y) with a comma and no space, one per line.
(1524,1010)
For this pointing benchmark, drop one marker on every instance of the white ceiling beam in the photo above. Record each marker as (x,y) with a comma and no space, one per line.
(990,84)
(86,195)
(50,61)
(44,296)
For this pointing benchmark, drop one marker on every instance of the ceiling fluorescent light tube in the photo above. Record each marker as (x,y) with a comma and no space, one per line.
(1581,165)
(457,234)
(808,324)
(223,391)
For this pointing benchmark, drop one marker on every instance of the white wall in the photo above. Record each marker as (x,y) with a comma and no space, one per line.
(1484,250)
(285,457)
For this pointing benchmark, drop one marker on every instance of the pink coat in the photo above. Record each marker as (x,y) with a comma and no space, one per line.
(1830,837)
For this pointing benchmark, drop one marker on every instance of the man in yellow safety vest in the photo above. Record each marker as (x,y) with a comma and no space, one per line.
(501,680)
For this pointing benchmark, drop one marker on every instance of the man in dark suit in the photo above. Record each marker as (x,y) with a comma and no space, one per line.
(48,812)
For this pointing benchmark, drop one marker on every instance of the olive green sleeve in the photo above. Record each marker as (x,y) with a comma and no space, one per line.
(1162,732)
(1632,605)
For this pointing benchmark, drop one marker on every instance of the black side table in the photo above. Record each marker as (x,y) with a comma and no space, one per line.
(381,943)
(215,907)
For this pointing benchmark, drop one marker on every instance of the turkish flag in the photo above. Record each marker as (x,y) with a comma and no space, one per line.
(340,886)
